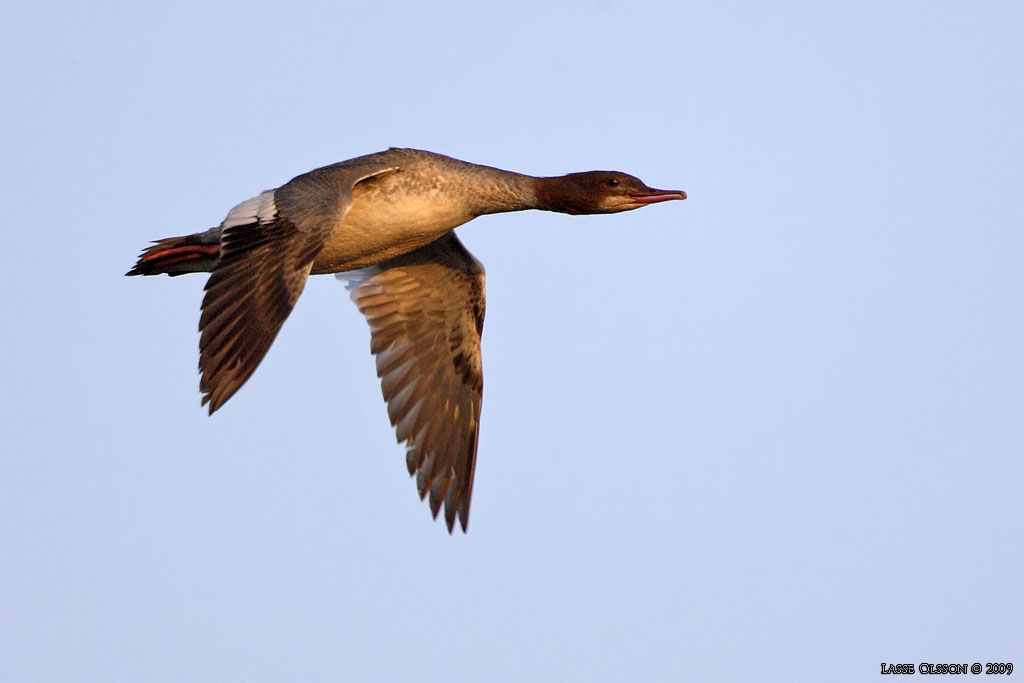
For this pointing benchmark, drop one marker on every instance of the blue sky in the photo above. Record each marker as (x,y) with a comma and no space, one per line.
(773,432)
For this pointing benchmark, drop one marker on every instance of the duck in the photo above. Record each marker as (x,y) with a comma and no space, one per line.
(384,224)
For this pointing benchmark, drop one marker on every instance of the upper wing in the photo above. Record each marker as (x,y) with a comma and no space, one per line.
(426,313)
(268,244)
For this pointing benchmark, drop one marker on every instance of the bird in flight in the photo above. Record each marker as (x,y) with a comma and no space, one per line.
(384,223)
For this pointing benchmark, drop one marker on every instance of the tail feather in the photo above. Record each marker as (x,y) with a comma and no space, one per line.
(196,253)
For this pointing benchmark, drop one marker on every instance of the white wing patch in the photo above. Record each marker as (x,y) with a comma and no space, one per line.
(259,209)
(354,278)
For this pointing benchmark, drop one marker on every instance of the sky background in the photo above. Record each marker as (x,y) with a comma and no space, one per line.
(773,432)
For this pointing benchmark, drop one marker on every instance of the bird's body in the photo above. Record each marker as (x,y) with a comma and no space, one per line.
(394,213)
(384,221)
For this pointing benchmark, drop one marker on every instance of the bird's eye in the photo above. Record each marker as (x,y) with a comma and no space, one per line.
(612,182)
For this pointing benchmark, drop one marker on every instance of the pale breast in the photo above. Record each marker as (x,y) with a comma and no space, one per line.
(391,215)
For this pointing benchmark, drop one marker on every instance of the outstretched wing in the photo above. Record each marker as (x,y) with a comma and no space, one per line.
(268,244)
(426,314)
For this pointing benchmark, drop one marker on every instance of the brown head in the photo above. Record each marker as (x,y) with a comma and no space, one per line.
(598,192)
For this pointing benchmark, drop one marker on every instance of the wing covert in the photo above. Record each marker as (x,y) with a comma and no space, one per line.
(267,247)
(426,310)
